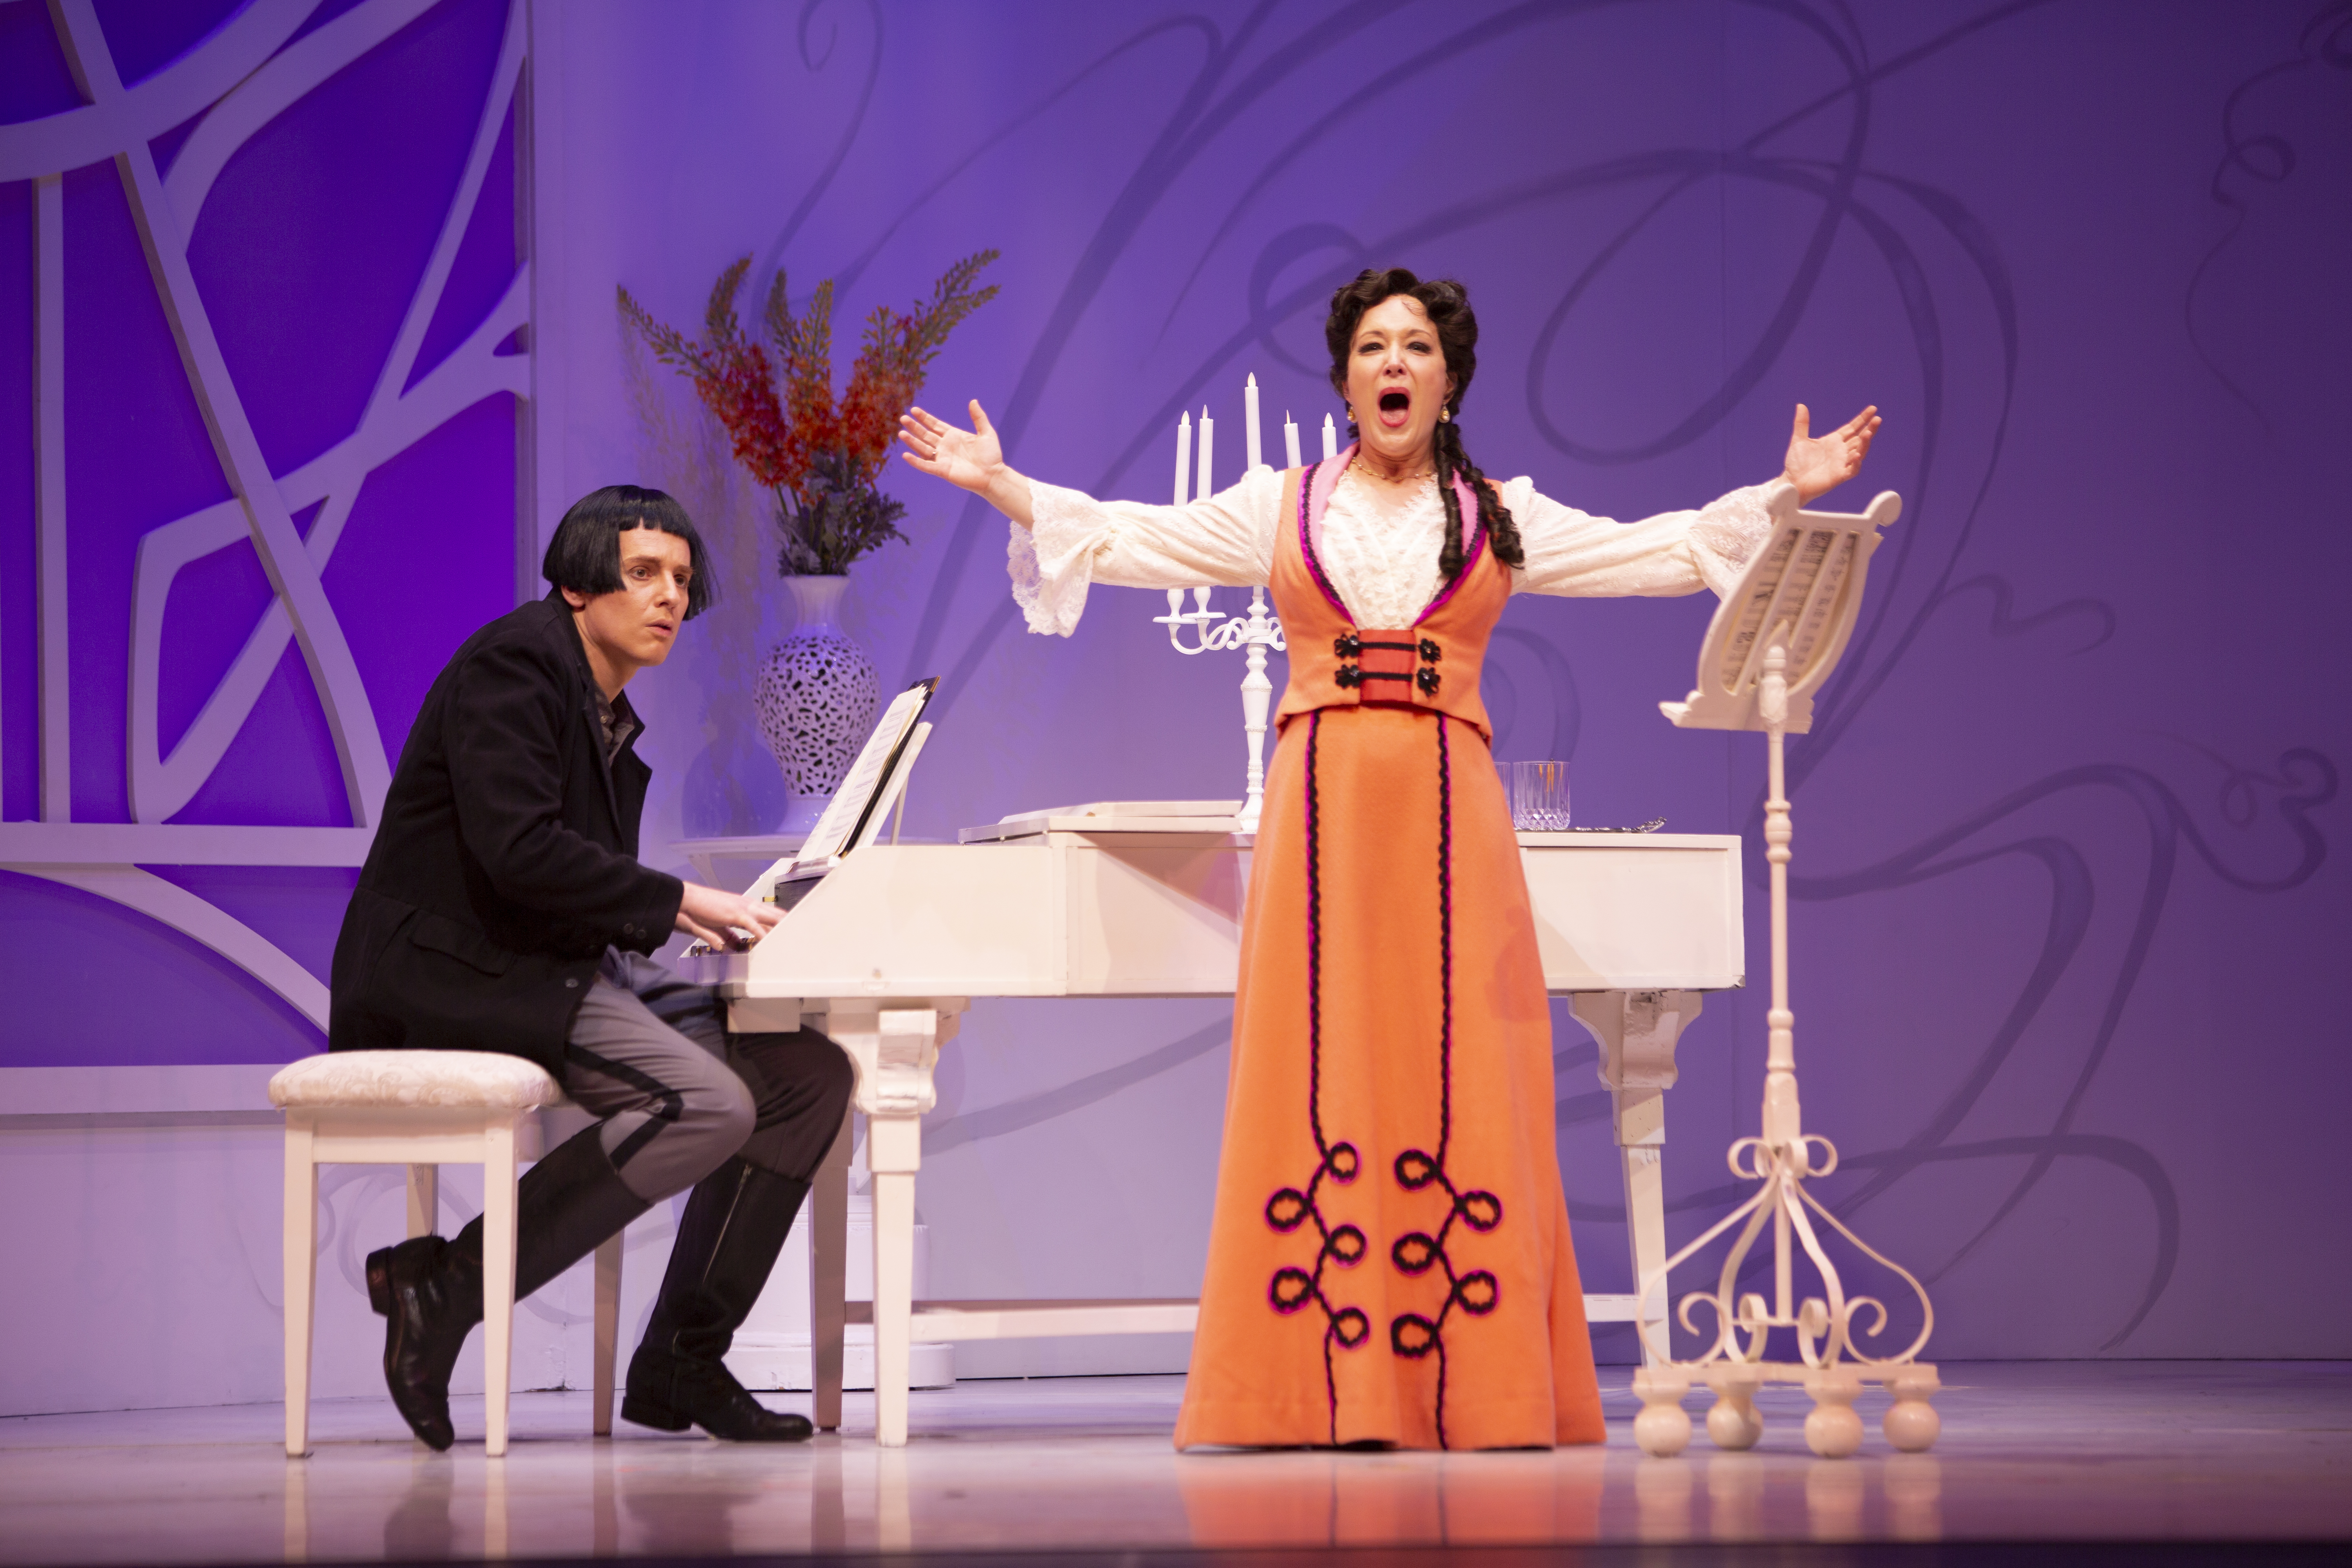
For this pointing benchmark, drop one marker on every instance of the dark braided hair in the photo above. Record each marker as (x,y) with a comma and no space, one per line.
(1448,305)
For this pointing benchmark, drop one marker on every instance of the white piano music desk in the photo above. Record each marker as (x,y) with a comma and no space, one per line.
(887,951)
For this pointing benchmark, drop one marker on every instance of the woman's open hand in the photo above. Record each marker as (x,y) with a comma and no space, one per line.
(1819,464)
(969,460)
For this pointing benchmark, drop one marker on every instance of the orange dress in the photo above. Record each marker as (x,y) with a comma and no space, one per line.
(1389,1258)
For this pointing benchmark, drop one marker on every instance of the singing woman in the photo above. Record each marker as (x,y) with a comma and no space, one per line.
(1389,1257)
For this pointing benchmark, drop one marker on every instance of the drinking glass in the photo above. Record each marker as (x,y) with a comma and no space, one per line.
(1539,796)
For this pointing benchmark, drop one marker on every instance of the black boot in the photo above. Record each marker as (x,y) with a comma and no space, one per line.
(430,1294)
(735,1225)
(429,1291)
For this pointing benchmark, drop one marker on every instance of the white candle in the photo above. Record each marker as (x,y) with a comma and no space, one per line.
(1289,439)
(1205,489)
(1249,419)
(1330,439)
(1184,454)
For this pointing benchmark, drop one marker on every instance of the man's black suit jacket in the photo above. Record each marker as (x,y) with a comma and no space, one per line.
(505,862)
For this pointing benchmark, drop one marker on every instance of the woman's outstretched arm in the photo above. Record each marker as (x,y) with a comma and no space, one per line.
(969,460)
(1571,552)
(1063,540)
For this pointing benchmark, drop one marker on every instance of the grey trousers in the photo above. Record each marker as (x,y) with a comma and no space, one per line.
(649,1052)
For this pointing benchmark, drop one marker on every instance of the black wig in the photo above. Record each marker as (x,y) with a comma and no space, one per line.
(585,554)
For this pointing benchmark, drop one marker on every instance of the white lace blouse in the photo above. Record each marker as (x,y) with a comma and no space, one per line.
(1379,553)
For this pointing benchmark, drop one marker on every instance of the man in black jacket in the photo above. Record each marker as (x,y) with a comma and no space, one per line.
(502,908)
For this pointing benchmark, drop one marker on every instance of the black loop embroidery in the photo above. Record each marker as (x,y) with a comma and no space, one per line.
(1414,1170)
(1413,1336)
(1481,1211)
(1477,1292)
(1343,1163)
(1345,1246)
(1414,1253)
(1287,1210)
(1350,1327)
(1292,1288)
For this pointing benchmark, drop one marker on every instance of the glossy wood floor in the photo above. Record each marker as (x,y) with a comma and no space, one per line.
(2116,1452)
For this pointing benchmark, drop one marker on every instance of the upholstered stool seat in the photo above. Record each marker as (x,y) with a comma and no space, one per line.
(425,1109)
(473,1080)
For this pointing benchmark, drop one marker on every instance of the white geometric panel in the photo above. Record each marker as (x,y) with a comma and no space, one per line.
(241,79)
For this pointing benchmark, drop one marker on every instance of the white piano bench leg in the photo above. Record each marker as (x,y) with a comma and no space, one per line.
(1663,1427)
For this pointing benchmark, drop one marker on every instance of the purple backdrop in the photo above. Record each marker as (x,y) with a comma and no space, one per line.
(2063,826)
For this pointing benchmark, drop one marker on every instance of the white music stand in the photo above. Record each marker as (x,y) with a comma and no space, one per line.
(1773,642)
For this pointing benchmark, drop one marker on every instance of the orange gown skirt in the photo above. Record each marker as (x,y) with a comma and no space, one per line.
(1389,1257)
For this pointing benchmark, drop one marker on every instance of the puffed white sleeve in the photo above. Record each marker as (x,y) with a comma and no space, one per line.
(1225,541)
(1574,553)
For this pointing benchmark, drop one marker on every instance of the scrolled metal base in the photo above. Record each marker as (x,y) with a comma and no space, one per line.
(1831,1367)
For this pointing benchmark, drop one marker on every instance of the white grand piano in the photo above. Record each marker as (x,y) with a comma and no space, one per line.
(887,951)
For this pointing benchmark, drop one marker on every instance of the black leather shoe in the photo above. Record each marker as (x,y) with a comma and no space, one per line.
(429,1290)
(670,1395)
(430,1293)
(735,1225)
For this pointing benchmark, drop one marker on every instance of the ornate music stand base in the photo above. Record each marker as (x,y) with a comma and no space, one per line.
(1833,1430)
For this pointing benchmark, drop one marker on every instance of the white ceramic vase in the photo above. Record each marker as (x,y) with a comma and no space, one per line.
(816,696)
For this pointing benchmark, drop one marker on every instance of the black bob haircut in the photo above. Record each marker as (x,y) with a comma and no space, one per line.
(585,554)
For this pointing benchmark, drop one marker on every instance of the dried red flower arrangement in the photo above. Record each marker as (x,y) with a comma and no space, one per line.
(820,455)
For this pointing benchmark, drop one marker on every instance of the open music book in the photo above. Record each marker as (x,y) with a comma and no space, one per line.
(862,804)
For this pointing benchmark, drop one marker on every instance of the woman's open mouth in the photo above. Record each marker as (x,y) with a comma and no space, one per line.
(1396,407)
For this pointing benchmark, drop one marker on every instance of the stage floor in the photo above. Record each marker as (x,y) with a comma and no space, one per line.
(2045,1451)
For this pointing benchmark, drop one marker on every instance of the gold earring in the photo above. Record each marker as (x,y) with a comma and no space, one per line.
(1442,416)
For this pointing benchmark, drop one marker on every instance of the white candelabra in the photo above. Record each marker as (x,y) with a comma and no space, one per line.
(1772,643)
(1255,633)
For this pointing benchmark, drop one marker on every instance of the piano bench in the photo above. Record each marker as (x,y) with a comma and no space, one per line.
(425,1109)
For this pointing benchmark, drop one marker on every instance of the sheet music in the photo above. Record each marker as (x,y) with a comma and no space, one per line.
(893,789)
(853,803)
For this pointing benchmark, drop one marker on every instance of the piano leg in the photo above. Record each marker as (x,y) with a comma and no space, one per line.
(1637,1031)
(828,1261)
(895,1049)
(894,1147)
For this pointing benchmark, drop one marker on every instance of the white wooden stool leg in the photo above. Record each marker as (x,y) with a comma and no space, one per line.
(301,1244)
(423,1199)
(498,1275)
(828,1270)
(608,1329)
